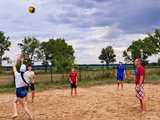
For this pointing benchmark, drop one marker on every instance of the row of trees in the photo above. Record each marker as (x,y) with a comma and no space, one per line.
(55,52)
(141,48)
(107,55)
(4,46)
(61,55)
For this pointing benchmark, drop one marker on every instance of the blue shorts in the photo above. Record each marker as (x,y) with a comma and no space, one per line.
(21,92)
(120,77)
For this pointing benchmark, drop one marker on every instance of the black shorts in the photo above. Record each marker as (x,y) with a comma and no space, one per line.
(31,87)
(73,85)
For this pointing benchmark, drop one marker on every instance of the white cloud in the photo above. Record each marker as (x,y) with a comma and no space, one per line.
(88,25)
(90,44)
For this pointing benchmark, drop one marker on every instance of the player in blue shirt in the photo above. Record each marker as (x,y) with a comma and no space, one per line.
(120,74)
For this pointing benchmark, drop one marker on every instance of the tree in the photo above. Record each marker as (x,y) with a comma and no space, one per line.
(137,49)
(7,59)
(127,57)
(30,49)
(155,38)
(59,53)
(107,55)
(45,54)
(143,48)
(4,46)
(158,61)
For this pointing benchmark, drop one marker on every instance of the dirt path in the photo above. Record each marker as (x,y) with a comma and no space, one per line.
(96,103)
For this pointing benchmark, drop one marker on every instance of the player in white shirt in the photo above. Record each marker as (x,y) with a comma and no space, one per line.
(21,90)
(29,76)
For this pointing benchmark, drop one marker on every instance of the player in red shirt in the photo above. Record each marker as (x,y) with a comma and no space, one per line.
(73,81)
(139,82)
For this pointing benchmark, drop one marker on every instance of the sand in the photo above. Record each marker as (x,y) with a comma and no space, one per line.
(95,103)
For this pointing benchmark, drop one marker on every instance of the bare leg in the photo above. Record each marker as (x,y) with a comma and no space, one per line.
(143,107)
(121,84)
(118,85)
(71,91)
(33,95)
(25,107)
(75,89)
(26,98)
(15,105)
(141,104)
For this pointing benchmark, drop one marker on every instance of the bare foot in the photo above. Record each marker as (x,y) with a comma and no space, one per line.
(30,118)
(122,95)
(143,111)
(14,116)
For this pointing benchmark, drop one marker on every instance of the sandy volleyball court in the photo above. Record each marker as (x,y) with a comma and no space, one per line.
(95,103)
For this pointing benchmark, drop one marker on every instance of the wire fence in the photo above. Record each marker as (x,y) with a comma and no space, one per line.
(85,73)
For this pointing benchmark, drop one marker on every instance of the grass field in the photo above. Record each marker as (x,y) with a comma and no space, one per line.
(86,79)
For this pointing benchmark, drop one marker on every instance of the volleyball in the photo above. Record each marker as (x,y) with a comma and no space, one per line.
(31,9)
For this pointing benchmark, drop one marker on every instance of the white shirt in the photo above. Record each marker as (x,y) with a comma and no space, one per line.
(29,75)
(19,81)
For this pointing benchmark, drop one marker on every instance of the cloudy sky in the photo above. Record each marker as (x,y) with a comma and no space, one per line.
(88,25)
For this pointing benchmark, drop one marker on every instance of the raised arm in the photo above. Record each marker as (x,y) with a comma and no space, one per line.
(16,62)
(22,59)
(14,67)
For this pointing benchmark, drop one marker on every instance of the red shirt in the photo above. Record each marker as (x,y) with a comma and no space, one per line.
(73,77)
(139,72)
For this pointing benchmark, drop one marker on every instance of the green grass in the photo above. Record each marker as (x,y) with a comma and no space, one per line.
(86,79)
(41,86)
(46,85)
(7,88)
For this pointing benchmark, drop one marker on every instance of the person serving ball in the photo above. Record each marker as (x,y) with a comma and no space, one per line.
(21,87)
